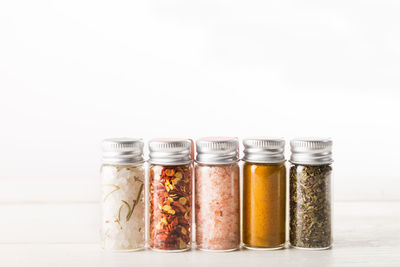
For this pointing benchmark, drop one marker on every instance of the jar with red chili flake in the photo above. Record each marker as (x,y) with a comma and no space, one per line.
(170,178)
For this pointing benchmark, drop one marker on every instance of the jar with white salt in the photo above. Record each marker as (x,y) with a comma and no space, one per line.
(122,200)
(217,194)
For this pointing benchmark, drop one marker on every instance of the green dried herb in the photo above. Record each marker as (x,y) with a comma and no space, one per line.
(116,188)
(135,202)
(310,206)
(130,210)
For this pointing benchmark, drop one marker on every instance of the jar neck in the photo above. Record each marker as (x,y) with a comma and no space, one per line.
(134,164)
(170,165)
(217,163)
(264,163)
(172,161)
(310,164)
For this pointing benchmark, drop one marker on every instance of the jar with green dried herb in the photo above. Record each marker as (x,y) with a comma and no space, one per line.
(310,193)
(122,203)
(170,178)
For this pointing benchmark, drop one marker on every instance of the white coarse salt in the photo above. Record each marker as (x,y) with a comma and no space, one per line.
(123,209)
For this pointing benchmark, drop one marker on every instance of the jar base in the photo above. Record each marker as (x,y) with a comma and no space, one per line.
(123,250)
(169,250)
(264,248)
(218,250)
(302,248)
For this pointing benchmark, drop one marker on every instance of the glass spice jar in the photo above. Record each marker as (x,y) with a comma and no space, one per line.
(264,194)
(310,193)
(122,203)
(217,195)
(170,178)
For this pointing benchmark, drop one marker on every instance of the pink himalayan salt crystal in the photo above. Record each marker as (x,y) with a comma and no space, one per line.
(217,207)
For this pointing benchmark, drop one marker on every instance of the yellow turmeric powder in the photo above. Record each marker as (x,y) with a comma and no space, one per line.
(264,205)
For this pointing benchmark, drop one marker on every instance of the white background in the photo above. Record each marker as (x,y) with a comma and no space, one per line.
(75,72)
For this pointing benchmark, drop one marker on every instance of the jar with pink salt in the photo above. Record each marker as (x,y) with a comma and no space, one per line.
(217,194)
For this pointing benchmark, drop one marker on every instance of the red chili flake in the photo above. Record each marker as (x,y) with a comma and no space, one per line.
(170,207)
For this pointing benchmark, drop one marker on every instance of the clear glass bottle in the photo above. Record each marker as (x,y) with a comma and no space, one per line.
(264,194)
(310,193)
(122,203)
(170,178)
(217,194)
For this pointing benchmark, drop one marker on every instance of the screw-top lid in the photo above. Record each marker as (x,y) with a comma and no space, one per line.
(217,150)
(264,150)
(122,151)
(169,151)
(311,150)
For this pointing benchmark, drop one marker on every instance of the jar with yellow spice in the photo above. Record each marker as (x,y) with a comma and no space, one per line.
(264,193)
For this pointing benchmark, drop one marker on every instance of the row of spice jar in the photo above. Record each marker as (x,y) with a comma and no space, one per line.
(215,192)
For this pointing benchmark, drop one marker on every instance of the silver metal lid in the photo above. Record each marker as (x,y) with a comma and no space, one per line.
(311,150)
(169,151)
(122,151)
(217,150)
(264,150)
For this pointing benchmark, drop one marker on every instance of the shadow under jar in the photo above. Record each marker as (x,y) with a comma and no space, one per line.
(310,194)
(217,194)
(122,203)
(264,194)
(170,178)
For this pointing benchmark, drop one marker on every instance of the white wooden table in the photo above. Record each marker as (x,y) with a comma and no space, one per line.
(66,234)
